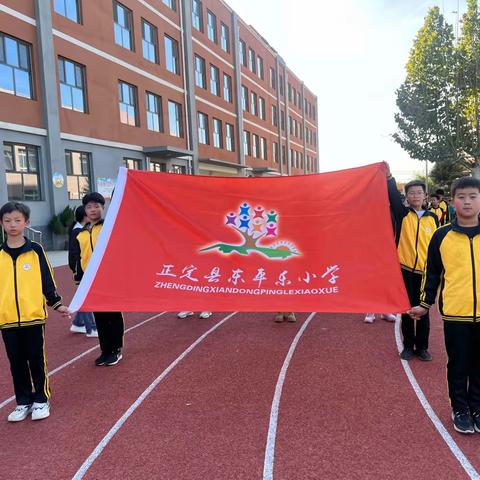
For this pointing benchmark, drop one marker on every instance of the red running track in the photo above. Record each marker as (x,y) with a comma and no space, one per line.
(347,409)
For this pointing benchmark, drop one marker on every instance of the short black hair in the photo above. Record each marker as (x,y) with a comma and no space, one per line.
(79,213)
(415,183)
(93,197)
(15,207)
(465,182)
(435,195)
(440,191)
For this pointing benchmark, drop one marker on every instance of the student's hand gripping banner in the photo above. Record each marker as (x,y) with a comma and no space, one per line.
(319,242)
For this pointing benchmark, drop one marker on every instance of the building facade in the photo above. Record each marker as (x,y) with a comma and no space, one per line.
(183,86)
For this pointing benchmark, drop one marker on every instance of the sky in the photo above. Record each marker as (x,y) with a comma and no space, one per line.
(352,55)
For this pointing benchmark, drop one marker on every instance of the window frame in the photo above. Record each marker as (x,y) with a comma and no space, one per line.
(78,5)
(154,31)
(217,135)
(200,75)
(136,161)
(83,76)
(174,50)
(224,37)
(212,33)
(229,139)
(129,20)
(203,129)
(134,90)
(69,168)
(197,15)
(215,81)
(178,119)
(159,113)
(22,173)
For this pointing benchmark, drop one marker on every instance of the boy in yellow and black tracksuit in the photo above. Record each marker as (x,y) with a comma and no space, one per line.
(26,287)
(443,205)
(110,326)
(414,228)
(453,273)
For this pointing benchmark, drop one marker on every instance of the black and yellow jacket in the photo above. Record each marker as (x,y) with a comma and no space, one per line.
(82,248)
(438,212)
(26,285)
(412,234)
(453,264)
(446,213)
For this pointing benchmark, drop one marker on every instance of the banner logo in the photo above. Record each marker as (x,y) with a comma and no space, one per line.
(256,226)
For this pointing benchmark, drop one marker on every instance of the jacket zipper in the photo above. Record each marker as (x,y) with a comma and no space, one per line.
(416,244)
(16,289)
(474,281)
(91,241)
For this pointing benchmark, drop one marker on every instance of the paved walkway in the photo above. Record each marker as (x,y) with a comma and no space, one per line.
(58,258)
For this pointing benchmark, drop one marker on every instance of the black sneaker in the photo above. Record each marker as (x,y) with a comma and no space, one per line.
(476,421)
(101,360)
(462,422)
(113,358)
(424,355)
(407,354)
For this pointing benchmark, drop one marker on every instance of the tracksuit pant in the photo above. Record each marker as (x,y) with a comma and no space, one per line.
(462,342)
(110,328)
(415,332)
(25,348)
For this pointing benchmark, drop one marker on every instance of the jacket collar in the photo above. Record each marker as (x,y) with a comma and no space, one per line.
(457,228)
(27,246)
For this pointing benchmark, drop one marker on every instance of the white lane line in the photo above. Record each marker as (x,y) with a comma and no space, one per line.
(447,438)
(118,425)
(86,352)
(272,427)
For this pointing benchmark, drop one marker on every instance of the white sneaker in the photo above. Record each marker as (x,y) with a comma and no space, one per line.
(92,334)
(40,410)
(369,318)
(184,314)
(205,314)
(20,413)
(388,317)
(77,329)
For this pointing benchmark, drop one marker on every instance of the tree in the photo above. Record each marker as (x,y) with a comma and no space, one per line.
(444,173)
(427,120)
(469,84)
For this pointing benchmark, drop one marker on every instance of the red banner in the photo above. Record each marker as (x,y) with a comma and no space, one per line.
(306,243)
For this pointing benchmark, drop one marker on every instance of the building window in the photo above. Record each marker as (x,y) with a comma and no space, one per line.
(274,116)
(282,120)
(289,87)
(132,163)
(175,119)
(157,166)
(149,42)
(252,64)
(284,154)
(197,15)
(261,108)
(171,54)
(154,112)
(225,38)
(214,80)
(281,85)
(273,78)
(275,152)
(290,125)
(229,137)
(203,136)
(217,133)
(243,53)
(200,80)
(127,97)
(21,169)
(78,174)
(227,88)
(255,146)
(68,8)
(253,104)
(72,85)
(123,26)
(263,148)
(178,169)
(260,67)
(15,67)
(170,4)
(246,142)
(245,98)
(211,26)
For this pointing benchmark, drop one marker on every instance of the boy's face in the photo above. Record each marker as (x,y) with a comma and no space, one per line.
(434,201)
(93,211)
(415,197)
(467,203)
(14,224)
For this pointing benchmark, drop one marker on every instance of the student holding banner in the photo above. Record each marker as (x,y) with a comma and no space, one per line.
(414,229)
(110,325)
